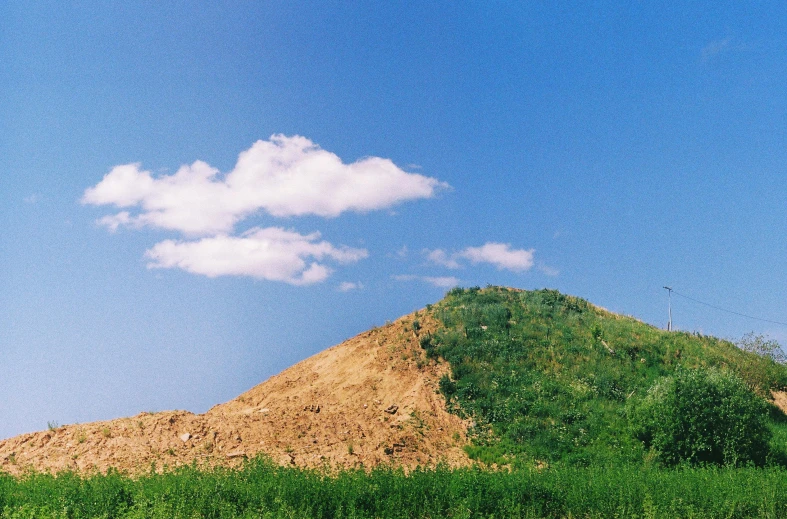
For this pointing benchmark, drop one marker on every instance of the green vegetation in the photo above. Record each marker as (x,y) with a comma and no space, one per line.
(550,378)
(597,415)
(703,417)
(261,489)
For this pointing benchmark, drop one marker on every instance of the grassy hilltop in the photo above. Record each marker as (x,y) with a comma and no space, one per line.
(550,378)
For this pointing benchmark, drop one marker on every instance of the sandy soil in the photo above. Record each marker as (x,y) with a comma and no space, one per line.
(372,399)
(780,399)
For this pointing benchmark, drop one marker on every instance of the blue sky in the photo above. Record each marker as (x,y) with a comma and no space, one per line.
(393,149)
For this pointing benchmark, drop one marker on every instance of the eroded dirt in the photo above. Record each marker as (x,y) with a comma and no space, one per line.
(372,399)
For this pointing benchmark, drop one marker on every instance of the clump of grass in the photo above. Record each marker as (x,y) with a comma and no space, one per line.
(416,326)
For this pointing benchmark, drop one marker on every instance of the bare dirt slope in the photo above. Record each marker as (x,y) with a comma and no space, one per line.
(780,400)
(372,399)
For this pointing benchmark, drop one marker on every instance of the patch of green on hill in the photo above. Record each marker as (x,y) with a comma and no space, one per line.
(549,378)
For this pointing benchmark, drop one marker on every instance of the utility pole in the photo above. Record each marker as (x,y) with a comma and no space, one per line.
(669,295)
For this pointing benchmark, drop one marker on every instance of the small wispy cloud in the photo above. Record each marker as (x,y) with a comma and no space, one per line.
(31,199)
(113,221)
(548,271)
(348,286)
(440,257)
(439,281)
(714,48)
(501,255)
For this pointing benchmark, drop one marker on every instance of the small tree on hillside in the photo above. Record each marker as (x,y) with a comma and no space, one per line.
(703,417)
(763,347)
(764,370)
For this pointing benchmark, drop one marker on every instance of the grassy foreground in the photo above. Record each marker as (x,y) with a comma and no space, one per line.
(261,489)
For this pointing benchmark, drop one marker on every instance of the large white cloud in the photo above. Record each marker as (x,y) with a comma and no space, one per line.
(501,255)
(273,254)
(284,176)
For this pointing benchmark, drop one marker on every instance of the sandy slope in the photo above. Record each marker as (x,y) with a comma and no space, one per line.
(372,399)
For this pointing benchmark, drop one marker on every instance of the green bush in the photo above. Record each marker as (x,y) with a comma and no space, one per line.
(763,367)
(703,417)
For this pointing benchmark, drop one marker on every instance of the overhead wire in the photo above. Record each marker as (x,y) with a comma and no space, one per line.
(728,311)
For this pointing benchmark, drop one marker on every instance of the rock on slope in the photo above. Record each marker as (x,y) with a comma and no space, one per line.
(372,399)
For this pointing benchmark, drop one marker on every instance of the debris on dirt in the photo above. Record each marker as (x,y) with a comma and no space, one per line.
(392,409)
(236,454)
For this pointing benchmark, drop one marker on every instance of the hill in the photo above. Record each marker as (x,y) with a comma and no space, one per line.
(550,378)
(499,376)
(372,399)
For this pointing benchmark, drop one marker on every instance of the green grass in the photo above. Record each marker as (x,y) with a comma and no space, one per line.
(260,489)
(550,378)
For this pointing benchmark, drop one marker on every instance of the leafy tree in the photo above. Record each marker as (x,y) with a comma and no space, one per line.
(763,368)
(703,417)
(762,346)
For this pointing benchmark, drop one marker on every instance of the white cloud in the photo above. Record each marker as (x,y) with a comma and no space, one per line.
(500,255)
(284,176)
(439,257)
(549,271)
(442,282)
(113,221)
(272,254)
(347,286)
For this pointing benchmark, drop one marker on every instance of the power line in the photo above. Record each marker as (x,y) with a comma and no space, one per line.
(726,310)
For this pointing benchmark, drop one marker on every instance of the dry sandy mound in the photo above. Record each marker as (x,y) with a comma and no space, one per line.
(780,400)
(372,399)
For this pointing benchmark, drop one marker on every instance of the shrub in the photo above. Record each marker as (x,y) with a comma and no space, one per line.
(703,417)
(447,386)
(763,367)
(762,346)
